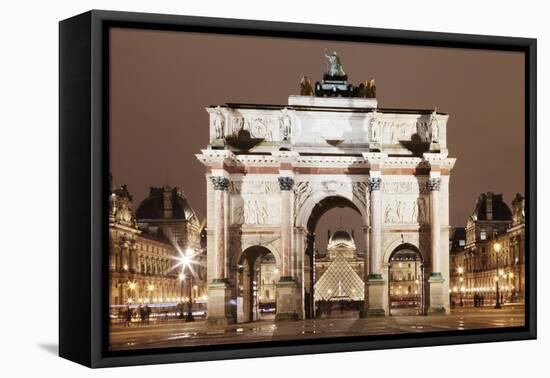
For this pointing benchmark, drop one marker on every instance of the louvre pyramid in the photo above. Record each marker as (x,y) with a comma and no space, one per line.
(339,281)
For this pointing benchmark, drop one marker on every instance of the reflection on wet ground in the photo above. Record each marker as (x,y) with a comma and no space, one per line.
(177,333)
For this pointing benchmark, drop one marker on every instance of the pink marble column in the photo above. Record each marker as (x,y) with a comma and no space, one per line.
(220,186)
(286,184)
(375,261)
(433,186)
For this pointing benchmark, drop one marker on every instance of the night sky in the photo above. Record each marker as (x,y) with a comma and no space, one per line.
(162,81)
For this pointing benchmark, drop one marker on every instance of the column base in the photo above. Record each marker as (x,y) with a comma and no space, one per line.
(372,312)
(375,306)
(286,316)
(219,320)
(436,310)
(219,303)
(437,295)
(286,299)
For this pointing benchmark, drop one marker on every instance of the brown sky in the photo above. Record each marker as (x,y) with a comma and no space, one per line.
(161,82)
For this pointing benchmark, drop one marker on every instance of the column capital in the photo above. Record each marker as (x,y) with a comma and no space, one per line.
(375,183)
(219,182)
(433,184)
(286,183)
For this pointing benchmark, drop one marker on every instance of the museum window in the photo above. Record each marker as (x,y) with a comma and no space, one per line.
(176,235)
(483,234)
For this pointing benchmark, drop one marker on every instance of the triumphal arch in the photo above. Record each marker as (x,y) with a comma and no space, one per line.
(273,170)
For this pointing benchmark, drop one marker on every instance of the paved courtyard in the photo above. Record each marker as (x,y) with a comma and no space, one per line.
(177,333)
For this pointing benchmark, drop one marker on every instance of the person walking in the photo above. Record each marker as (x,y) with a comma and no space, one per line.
(147,313)
(142,314)
(128,316)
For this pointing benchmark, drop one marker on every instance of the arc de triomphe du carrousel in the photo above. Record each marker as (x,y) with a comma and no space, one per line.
(273,170)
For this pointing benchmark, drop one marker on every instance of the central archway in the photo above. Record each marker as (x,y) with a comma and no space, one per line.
(338,269)
(406,281)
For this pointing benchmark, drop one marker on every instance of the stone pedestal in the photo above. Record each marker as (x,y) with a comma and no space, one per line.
(435,147)
(335,102)
(219,303)
(287,290)
(375,289)
(437,295)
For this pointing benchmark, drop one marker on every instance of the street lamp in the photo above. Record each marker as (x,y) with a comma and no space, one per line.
(497,247)
(181,277)
(461,279)
(186,260)
(131,288)
(461,291)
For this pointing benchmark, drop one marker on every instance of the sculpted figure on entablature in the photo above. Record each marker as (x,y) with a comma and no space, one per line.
(422,129)
(374,128)
(285,124)
(219,123)
(434,126)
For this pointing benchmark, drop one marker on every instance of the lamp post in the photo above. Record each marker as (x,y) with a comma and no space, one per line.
(181,277)
(189,317)
(131,288)
(186,260)
(497,247)
(461,279)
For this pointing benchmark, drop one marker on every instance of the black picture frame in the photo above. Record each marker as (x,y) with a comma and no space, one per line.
(84,167)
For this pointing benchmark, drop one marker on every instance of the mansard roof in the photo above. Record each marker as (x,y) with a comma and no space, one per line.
(491,203)
(152,207)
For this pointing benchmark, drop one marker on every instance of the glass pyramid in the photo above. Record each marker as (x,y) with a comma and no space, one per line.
(339,282)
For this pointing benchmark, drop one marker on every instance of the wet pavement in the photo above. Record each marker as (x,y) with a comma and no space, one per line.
(177,333)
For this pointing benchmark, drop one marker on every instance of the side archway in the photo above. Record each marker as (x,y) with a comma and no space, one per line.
(406,281)
(257,274)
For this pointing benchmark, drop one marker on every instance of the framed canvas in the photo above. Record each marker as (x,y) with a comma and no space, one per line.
(235,188)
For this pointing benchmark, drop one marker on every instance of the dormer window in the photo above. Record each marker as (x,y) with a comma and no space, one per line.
(483,234)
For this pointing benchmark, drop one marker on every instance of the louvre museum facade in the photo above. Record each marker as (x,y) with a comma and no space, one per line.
(143,246)
(477,266)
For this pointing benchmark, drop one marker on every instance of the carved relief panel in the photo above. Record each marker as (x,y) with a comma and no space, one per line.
(394,131)
(271,126)
(255,202)
(405,202)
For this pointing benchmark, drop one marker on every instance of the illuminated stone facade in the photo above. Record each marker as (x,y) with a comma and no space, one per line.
(272,171)
(141,255)
(475,265)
